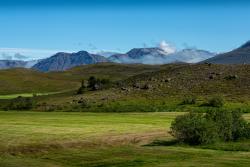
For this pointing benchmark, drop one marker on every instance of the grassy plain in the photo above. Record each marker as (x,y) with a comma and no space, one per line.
(56,139)
(12,96)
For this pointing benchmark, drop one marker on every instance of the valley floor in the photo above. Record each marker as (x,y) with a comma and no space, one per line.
(55,139)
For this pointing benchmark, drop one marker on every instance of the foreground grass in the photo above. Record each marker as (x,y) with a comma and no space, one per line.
(33,128)
(123,156)
(36,139)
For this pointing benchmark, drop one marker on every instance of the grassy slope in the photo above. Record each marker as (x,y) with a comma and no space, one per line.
(48,140)
(16,81)
(183,80)
(195,79)
(108,70)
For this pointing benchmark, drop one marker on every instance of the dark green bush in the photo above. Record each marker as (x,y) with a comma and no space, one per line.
(197,128)
(92,82)
(224,122)
(189,100)
(98,84)
(20,103)
(216,101)
(194,129)
(231,125)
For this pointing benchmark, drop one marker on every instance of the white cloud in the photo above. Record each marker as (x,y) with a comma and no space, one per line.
(28,54)
(168,48)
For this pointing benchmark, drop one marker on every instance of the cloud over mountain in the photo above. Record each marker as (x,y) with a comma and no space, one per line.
(168,48)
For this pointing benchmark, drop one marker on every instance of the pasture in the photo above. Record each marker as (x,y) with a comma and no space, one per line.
(61,139)
(12,96)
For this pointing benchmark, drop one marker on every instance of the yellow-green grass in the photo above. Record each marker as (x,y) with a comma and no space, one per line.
(32,128)
(24,136)
(12,96)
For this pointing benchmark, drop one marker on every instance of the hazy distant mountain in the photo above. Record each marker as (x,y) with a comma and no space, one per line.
(140,55)
(240,55)
(31,63)
(6,64)
(159,56)
(190,55)
(106,53)
(63,61)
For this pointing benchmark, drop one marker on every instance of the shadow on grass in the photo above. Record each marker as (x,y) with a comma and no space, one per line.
(243,145)
(163,143)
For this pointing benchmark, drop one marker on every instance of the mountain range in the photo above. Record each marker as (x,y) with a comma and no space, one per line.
(62,61)
(159,56)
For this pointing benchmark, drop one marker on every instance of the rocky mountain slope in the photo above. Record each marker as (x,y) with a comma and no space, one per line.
(240,55)
(63,61)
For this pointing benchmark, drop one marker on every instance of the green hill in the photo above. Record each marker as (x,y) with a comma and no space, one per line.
(200,79)
(16,81)
(140,88)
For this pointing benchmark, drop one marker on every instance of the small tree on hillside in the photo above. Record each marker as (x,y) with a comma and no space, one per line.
(82,88)
(92,82)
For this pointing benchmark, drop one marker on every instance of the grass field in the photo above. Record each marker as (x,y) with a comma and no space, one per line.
(37,139)
(12,96)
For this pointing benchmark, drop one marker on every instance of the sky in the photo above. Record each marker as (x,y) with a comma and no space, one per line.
(33,29)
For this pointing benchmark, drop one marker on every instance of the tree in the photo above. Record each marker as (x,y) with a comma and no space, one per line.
(91,82)
(82,88)
(97,84)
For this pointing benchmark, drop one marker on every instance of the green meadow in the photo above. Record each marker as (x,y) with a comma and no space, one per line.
(12,96)
(61,139)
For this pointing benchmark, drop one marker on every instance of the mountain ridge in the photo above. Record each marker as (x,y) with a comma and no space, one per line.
(159,56)
(239,55)
(62,61)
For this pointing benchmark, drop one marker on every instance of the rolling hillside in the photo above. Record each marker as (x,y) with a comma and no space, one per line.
(13,81)
(202,79)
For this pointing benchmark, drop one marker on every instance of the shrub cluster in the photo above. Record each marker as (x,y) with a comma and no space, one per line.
(20,103)
(198,128)
(216,101)
(189,100)
(93,84)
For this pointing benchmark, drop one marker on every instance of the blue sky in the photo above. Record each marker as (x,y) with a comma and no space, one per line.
(40,28)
